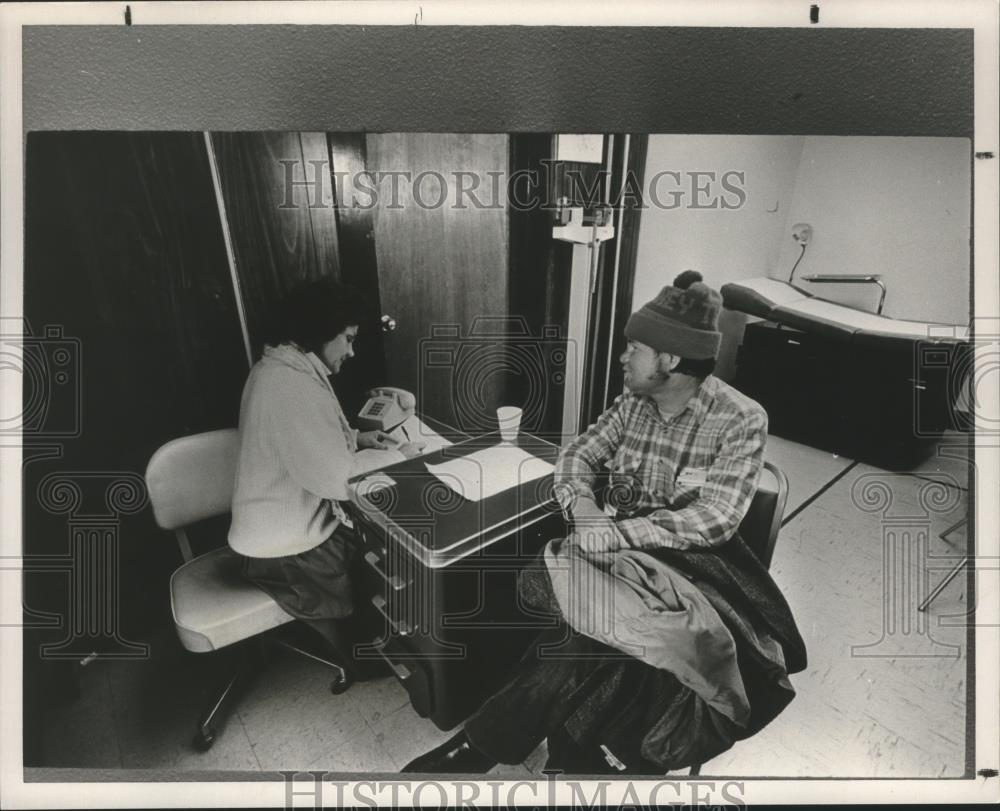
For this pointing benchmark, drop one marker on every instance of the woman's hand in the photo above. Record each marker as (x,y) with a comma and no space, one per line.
(379,440)
(411,449)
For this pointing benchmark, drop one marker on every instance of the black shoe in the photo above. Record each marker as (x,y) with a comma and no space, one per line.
(455,756)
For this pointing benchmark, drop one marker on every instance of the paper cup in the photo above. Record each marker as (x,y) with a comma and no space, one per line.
(509,418)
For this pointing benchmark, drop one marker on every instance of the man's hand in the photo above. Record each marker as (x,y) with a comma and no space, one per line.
(379,440)
(593,531)
(585,510)
(595,537)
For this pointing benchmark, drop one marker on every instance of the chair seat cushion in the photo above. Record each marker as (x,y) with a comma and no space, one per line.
(214,606)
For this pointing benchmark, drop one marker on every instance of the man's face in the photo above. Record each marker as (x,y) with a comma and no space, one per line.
(645,368)
(334,353)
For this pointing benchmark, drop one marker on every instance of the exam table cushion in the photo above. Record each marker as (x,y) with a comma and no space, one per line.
(760,296)
(785,304)
(204,621)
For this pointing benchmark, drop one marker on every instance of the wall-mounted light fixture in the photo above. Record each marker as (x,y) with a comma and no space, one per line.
(802,233)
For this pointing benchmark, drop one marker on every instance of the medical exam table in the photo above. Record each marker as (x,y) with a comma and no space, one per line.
(852,382)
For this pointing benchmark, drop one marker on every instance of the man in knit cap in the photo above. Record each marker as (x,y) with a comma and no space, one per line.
(681,452)
(683,447)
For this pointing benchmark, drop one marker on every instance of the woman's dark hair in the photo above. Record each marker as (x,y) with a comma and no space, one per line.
(688,366)
(315,312)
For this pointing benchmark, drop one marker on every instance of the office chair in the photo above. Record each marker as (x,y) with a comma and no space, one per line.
(190,480)
(759,530)
(759,527)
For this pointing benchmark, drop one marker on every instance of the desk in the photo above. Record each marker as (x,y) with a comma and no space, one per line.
(437,577)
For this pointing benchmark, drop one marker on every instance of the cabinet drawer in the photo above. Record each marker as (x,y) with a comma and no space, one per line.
(394,618)
(411,673)
(380,572)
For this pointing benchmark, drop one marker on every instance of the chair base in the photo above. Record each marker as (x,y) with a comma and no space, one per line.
(251,659)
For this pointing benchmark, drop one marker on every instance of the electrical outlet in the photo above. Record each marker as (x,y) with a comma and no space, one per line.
(802,233)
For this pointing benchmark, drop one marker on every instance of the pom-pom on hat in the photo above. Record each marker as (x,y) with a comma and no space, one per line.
(682,320)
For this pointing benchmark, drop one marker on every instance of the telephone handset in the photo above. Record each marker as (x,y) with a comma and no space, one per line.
(387,408)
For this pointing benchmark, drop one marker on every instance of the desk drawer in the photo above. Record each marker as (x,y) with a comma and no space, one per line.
(382,576)
(411,673)
(380,570)
(391,614)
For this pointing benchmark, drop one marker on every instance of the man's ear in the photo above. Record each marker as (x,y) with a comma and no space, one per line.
(665,362)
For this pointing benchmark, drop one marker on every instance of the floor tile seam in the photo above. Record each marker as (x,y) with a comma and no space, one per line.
(815,496)
(116,720)
(927,477)
(378,742)
(265,701)
(246,735)
(813,499)
(365,727)
(109,692)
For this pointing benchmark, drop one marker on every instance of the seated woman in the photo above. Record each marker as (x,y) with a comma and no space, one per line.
(297,451)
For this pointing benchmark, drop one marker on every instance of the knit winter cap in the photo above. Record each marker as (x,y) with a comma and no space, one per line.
(682,320)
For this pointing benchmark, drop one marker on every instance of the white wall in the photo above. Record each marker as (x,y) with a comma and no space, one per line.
(894,206)
(724,245)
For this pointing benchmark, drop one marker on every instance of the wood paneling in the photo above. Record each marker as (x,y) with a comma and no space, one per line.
(124,252)
(443,267)
(124,255)
(359,268)
(322,213)
(276,188)
(539,286)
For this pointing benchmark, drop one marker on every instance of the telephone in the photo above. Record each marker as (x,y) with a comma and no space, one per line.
(387,408)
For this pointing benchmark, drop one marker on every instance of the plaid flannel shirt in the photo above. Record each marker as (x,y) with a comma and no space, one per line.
(683,482)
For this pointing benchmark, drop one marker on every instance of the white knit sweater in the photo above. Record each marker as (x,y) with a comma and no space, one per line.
(297,452)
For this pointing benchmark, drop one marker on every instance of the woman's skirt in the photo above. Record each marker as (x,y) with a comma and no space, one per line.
(312,585)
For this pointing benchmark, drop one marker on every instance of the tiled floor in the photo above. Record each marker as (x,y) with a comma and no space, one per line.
(883,695)
(884,692)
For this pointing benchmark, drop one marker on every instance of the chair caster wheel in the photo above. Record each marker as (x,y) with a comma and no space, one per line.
(203,740)
(340,684)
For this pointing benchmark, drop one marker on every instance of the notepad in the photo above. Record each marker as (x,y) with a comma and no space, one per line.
(490,471)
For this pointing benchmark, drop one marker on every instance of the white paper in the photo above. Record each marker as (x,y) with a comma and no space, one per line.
(415,430)
(490,471)
(374,483)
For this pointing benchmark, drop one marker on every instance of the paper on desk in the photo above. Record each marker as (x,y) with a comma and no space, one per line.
(374,483)
(415,430)
(490,471)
